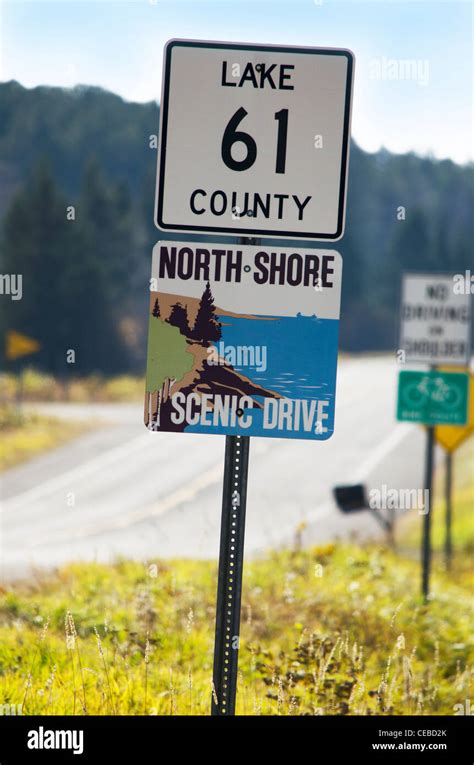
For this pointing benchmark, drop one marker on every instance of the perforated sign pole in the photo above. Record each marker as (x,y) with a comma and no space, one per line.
(448,546)
(229,588)
(426,537)
(231,564)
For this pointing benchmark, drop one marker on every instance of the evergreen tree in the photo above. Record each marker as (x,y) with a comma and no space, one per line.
(100,275)
(353,307)
(179,318)
(410,250)
(207,327)
(40,244)
(156,310)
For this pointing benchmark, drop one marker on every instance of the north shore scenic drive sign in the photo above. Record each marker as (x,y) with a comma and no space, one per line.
(254,139)
(243,340)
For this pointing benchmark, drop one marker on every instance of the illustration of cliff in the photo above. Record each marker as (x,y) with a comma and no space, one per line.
(181,331)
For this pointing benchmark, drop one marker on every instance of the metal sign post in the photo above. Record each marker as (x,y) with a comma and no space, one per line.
(231,566)
(229,587)
(426,538)
(448,547)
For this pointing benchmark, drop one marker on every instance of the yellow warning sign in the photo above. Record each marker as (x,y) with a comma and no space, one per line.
(17,345)
(450,437)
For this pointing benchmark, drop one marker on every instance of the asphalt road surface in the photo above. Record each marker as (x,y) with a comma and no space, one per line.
(123,491)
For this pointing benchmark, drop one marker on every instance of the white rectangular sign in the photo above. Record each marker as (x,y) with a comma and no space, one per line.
(435,320)
(254,139)
(243,340)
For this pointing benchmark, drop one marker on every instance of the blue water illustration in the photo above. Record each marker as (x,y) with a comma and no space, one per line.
(295,357)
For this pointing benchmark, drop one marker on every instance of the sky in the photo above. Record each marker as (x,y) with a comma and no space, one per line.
(414,60)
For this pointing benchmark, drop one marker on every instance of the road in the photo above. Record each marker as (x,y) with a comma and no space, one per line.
(121,490)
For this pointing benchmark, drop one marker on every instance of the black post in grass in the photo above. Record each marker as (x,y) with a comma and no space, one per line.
(426,537)
(448,544)
(231,564)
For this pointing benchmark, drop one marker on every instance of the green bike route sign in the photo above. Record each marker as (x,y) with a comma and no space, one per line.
(433,398)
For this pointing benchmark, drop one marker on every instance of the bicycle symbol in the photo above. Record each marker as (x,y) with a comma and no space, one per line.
(432,389)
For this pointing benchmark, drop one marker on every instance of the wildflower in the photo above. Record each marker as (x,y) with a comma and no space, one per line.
(401,642)
(71,634)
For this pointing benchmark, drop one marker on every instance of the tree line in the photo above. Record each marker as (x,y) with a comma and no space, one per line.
(77,172)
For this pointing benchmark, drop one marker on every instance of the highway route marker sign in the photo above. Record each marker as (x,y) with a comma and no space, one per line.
(433,398)
(254,139)
(243,340)
(435,320)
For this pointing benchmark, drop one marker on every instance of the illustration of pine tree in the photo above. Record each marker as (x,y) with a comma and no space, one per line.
(179,318)
(207,327)
(156,310)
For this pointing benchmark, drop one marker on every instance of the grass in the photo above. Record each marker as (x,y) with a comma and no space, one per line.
(338,629)
(36,386)
(332,630)
(23,436)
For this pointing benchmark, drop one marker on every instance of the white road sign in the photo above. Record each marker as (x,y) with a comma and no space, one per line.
(254,139)
(435,320)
